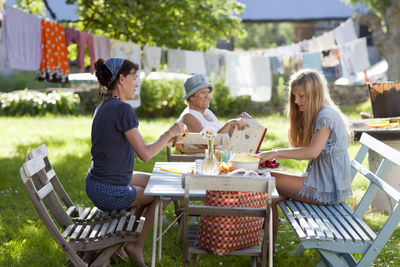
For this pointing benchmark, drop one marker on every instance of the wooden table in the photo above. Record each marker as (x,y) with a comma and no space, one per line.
(167,186)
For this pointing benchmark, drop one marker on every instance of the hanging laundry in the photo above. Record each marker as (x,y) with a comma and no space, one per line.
(83,40)
(176,60)
(330,58)
(194,62)
(128,50)
(131,51)
(312,60)
(248,75)
(151,58)
(54,66)
(313,45)
(326,40)
(102,47)
(86,40)
(212,62)
(261,82)
(21,38)
(347,61)
(360,53)
(276,65)
(345,32)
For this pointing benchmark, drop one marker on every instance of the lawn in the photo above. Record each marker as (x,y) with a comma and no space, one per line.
(24,241)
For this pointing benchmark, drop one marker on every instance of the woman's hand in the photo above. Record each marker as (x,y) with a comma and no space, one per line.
(267,155)
(244,115)
(179,130)
(240,123)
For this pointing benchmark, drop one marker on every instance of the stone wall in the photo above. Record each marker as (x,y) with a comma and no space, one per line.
(349,94)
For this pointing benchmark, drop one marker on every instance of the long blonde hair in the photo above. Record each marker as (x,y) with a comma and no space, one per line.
(302,123)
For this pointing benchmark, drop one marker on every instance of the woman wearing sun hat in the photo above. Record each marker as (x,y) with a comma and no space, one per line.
(197,115)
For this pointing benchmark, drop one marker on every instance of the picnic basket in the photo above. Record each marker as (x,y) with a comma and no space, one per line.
(223,234)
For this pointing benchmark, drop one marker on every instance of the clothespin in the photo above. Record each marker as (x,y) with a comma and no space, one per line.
(365,76)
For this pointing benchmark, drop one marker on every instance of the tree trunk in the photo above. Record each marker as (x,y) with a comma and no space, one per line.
(387,42)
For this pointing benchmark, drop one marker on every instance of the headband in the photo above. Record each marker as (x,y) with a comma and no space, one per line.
(113,64)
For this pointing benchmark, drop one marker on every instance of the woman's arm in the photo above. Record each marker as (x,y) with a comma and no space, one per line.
(147,151)
(193,124)
(311,151)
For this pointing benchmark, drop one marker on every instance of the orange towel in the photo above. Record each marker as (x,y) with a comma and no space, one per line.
(54,65)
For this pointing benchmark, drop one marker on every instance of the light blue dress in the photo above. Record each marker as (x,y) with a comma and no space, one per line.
(328,176)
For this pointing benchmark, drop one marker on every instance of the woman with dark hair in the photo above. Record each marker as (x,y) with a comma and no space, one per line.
(111,182)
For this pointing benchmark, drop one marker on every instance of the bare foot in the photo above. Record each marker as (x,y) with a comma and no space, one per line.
(135,253)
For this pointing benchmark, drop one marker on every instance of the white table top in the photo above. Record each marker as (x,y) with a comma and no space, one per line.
(168,184)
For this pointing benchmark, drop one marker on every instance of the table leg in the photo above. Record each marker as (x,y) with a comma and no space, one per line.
(160,233)
(271,239)
(155,230)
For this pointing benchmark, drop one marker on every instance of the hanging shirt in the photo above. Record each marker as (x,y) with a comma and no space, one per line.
(176,60)
(22,39)
(54,66)
(345,32)
(102,47)
(132,52)
(212,62)
(312,60)
(194,62)
(151,58)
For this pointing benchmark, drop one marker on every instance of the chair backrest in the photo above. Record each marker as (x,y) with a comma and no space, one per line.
(41,152)
(190,155)
(390,156)
(229,183)
(44,197)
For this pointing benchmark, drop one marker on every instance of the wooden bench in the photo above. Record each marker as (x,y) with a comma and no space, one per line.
(337,231)
(89,240)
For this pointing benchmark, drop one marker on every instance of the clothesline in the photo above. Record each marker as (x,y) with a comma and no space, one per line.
(246,73)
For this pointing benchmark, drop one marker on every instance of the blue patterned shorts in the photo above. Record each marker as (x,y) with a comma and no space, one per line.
(108,197)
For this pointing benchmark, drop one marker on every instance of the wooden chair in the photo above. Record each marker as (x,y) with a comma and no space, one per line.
(337,231)
(77,213)
(228,183)
(190,155)
(87,243)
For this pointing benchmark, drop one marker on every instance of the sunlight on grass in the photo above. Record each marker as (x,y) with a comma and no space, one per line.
(24,241)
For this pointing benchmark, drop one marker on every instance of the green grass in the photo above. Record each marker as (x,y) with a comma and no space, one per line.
(24,241)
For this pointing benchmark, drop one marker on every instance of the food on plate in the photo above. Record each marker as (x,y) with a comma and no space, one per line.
(271,163)
(226,167)
(243,160)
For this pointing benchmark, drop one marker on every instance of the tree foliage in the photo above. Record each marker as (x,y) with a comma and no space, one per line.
(185,24)
(383,20)
(266,35)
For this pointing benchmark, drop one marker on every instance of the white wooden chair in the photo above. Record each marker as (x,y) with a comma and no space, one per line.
(228,183)
(89,242)
(76,212)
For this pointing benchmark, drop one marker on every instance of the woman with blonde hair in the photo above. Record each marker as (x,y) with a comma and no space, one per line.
(318,133)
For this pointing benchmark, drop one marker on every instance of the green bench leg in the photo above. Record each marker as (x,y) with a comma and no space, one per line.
(331,258)
(299,250)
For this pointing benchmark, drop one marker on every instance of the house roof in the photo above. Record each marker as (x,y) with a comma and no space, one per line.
(294,10)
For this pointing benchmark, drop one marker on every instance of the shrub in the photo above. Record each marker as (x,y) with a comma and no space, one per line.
(161,98)
(164,98)
(35,103)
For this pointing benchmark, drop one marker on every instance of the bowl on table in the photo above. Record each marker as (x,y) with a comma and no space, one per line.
(245,161)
